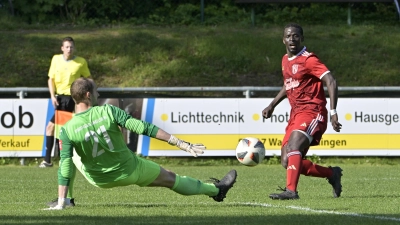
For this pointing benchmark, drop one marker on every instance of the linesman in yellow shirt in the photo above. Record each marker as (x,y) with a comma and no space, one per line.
(65,68)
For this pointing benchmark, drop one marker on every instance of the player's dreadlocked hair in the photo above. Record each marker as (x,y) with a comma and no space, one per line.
(295,25)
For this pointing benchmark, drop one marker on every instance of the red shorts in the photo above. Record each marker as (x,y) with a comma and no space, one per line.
(311,122)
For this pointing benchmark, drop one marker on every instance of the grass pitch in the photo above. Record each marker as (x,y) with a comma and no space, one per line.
(370,196)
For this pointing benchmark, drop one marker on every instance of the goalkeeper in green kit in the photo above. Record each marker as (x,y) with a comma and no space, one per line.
(93,143)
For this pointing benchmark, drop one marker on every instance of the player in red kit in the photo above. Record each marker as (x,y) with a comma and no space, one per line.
(303,78)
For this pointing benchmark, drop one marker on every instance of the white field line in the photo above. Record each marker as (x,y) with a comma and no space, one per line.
(361,178)
(321,211)
(351,214)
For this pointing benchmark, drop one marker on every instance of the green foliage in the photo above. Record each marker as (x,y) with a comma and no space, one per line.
(5,161)
(324,13)
(274,160)
(314,158)
(36,11)
(187,12)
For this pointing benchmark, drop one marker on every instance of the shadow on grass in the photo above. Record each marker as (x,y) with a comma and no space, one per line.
(291,219)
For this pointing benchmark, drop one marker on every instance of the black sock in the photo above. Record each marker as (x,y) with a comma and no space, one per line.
(57,148)
(49,148)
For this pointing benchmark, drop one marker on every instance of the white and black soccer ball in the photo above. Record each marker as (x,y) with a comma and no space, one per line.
(250,151)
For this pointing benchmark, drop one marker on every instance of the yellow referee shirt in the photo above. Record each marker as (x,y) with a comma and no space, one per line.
(65,72)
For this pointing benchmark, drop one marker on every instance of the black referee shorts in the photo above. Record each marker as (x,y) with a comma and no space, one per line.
(65,103)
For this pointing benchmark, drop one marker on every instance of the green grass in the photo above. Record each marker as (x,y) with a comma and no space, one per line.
(151,56)
(370,196)
(228,161)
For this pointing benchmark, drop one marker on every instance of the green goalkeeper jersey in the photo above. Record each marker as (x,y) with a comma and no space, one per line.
(96,137)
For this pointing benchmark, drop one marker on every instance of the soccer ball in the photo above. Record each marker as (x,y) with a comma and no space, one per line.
(250,151)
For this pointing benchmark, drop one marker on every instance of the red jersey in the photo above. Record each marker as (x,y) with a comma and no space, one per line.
(302,76)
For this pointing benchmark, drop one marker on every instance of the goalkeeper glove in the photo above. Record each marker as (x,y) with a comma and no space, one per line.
(193,149)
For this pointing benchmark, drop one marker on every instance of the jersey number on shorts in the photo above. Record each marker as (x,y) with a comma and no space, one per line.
(100,131)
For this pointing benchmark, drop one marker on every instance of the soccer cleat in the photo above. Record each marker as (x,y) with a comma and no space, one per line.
(285,195)
(54,202)
(335,181)
(45,164)
(224,185)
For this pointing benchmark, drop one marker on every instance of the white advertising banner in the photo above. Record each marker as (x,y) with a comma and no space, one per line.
(23,126)
(370,126)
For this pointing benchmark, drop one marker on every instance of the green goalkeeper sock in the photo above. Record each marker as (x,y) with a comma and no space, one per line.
(189,186)
(70,193)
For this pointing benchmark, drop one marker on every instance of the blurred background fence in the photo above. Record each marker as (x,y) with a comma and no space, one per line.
(191,12)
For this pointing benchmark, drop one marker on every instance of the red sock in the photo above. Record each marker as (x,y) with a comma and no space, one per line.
(311,169)
(293,170)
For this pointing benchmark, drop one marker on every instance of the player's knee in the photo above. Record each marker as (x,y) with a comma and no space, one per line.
(166,178)
(290,148)
(284,161)
(50,129)
(169,179)
(50,126)
(170,176)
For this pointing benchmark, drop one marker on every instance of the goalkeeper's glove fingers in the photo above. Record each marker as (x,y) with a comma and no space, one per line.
(57,207)
(193,149)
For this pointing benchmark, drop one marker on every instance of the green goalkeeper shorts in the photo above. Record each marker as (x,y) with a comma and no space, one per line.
(145,173)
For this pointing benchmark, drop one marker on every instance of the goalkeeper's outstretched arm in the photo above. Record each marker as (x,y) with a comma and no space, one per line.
(193,149)
(151,130)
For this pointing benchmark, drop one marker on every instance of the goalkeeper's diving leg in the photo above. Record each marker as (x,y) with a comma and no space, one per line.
(150,174)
